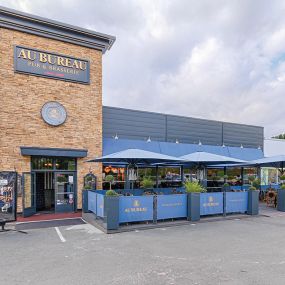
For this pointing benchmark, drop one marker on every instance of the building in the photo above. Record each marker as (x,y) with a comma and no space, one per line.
(52,118)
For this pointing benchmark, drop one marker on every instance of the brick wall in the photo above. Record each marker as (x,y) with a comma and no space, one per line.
(22,97)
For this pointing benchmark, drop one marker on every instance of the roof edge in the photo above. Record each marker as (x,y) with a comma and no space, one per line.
(36,25)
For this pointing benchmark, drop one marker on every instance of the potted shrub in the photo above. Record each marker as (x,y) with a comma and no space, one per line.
(226,187)
(85,198)
(147,183)
(110,178)
(256,183)
(282,178)
(253,201)
(111,210)
(193,190)
(251,178)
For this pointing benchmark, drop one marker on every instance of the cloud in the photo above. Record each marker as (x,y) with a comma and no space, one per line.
(221,60)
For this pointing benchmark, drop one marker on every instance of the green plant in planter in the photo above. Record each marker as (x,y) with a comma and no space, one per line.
(192,187)
(283,187)
(282,177)
(226,185)
(110,178)
(256,183)
(251,188)
(87,187)
(111,193)
(147,183)
(61,179)
(251,178)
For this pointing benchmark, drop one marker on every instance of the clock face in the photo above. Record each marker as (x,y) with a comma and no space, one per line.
(53,113)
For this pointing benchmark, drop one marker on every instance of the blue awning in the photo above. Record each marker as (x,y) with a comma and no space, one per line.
(112,145)
(63,152)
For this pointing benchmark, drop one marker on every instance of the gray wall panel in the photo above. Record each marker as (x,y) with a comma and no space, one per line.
(237,134)
(131,124)
(139,125)
(191,130)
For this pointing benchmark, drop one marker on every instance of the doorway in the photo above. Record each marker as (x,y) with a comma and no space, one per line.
(45,194)
(51,186)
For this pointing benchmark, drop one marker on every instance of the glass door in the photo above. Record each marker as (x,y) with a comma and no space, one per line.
(29,194)
(64,192)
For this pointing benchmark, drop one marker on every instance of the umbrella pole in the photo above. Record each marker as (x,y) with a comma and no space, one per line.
(182,174)
(242,177)
(156,172)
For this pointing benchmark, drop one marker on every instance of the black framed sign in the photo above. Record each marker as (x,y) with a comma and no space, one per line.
(8,196)
(46,64)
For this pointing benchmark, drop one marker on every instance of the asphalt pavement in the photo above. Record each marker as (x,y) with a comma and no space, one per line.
(236,252)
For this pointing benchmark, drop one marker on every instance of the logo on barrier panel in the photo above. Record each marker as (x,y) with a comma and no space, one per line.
(211,202)
(136,207)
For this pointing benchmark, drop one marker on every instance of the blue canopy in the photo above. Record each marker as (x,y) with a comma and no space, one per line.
(111,145)
(272,161)
(206,158)
(135,156)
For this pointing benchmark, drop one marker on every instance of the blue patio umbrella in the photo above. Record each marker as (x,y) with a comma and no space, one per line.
(207,158)
(277,161)
(135,156)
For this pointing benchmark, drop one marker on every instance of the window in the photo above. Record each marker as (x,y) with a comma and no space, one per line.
(65,164)
(42,163)
(50,163)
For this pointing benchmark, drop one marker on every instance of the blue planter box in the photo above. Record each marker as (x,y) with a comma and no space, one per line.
(193,213)
(111,212)
(253,202)
(281,200)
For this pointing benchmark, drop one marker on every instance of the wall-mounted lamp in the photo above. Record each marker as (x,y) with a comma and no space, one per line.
(199,143)
(177,141)
(116,137)
(148,140)
(241,146)
(223,145)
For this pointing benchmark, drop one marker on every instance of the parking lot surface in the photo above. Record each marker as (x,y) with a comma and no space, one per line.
(238,252)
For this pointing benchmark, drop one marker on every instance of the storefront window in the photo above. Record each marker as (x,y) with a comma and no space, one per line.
(119,177)
(65,164)
(215,179)
(269,176)
(247,172)
(50,163)
(234,176)
(41,163)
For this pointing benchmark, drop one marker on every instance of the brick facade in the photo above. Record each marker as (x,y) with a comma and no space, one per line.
(22,97)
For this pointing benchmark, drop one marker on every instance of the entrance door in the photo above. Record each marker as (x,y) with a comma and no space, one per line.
(29,197)
(64,192)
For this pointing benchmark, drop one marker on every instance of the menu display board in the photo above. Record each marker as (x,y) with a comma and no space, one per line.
(8,196)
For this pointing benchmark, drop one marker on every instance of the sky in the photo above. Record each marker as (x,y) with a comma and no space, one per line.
(220,60)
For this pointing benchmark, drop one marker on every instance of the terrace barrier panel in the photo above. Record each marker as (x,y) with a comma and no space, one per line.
(100,205)
(211,203)
(92,201)
(171,206)
(135,208)
(236,202)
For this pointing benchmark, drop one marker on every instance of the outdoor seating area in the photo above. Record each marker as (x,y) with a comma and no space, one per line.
(194,199)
